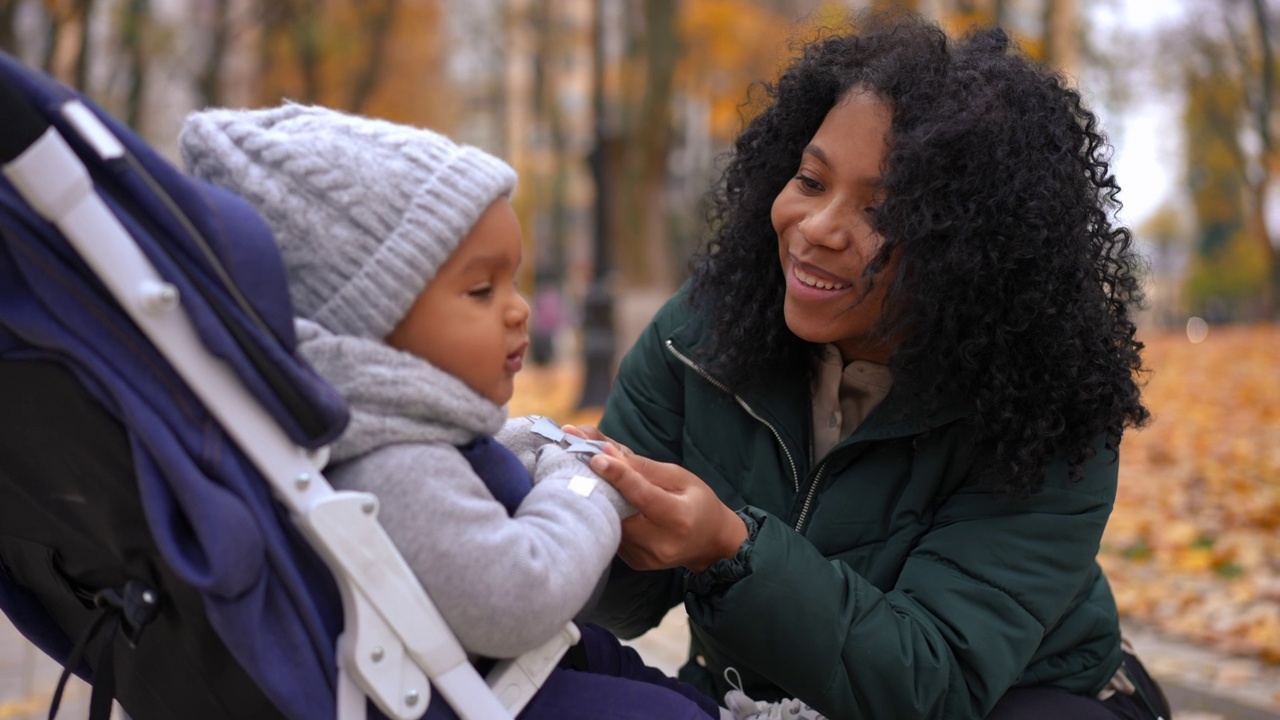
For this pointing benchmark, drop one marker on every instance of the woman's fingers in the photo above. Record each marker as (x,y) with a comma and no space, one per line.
(630,478)
(681,521)
(591,432)
(588,432)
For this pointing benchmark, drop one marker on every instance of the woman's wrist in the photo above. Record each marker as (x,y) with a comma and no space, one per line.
(729,536)
(735,533)
(727,570)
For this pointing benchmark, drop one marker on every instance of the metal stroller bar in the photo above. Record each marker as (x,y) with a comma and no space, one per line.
(394,638)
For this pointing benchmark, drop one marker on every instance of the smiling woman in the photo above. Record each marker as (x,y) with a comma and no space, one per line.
(827,239)
(876,436)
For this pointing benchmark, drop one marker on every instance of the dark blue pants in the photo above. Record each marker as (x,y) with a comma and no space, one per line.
(1043,703)
(602,679)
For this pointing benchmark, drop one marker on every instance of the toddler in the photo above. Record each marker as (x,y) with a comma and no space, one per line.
(401,249)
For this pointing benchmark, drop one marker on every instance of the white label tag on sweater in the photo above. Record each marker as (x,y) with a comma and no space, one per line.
(582,485)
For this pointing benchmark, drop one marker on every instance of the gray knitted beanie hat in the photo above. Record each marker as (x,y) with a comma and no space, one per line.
(364,211)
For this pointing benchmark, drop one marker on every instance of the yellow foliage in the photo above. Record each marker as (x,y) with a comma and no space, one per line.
(1192,546)
(398,43)
(1240,270)
(729,44)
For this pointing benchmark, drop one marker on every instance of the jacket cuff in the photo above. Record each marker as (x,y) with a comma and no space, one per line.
(724,572)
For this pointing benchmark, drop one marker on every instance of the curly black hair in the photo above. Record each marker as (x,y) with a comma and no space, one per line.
(1014,283)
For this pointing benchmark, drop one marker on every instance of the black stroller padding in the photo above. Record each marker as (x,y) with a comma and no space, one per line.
(73,525)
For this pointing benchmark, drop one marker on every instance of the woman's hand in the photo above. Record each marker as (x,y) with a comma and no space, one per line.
(681,522)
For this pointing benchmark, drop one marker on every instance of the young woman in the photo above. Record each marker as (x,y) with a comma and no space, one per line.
(874,441)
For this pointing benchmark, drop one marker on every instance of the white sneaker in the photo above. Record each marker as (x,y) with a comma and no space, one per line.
(742,707)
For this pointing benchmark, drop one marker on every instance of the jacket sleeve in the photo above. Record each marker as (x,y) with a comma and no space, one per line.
(645,412)
(973,601)
(503,583)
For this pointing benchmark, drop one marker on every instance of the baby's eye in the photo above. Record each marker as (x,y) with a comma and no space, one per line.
(481,291)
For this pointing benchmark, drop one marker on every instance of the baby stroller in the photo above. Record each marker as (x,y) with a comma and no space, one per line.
(166,532)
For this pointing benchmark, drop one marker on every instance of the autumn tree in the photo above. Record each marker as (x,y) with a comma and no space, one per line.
(373,57)
(1050,33)
(136,58)
(216,16)
(8,32)
(1225,56)
(105,50)
(729,45)
(1165,233)
(639,91)
(562,33)
(63,45)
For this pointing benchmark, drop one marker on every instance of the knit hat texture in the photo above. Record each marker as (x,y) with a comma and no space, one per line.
(364,211)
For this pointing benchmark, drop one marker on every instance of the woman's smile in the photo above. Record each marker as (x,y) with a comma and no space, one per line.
(813,280)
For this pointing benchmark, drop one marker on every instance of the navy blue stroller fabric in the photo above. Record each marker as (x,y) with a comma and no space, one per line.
(270,598)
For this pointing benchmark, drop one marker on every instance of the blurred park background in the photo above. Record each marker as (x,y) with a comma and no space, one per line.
(616,112)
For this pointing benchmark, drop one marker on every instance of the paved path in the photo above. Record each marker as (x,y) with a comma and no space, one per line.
(28,678)
(1201,684)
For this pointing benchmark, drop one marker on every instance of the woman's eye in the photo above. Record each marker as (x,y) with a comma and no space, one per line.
(808,183)
(872,211)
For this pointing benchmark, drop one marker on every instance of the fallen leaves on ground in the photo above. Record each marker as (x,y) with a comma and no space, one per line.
(1193,546)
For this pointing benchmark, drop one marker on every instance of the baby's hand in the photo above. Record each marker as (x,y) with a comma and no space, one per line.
(557,464)
(517,436)
(571,441)
(524,436)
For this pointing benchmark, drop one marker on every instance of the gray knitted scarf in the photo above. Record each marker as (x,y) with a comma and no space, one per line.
(395,397)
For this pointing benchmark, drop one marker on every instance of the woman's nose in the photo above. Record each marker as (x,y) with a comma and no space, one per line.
(829,225)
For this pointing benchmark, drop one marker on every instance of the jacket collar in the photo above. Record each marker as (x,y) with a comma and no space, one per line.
(786,404)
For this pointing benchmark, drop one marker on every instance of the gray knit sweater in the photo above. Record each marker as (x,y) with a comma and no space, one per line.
(505,584)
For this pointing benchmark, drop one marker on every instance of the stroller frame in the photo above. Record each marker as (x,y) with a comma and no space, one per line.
(395,645)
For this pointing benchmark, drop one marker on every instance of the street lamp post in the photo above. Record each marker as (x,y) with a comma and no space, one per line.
(597,331)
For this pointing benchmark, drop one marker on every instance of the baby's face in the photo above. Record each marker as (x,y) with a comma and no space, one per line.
(470,321)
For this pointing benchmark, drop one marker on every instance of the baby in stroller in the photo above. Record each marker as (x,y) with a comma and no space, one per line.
(401,249)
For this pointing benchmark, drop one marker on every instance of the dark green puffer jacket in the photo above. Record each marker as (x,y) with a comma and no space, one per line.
(882,583)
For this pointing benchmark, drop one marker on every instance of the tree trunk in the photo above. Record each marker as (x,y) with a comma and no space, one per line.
(52,36)
(377,28)
(598,344)
(8,39)
(306,36)
(1257,225)
(80,75)
(1061,36)
(641,235)
(1265,107)
(133,39)
(209,78)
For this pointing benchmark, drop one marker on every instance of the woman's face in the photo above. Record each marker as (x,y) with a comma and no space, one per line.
(826,237)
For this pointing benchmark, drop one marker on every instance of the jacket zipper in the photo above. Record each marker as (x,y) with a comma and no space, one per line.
(795,474)
(808,500)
